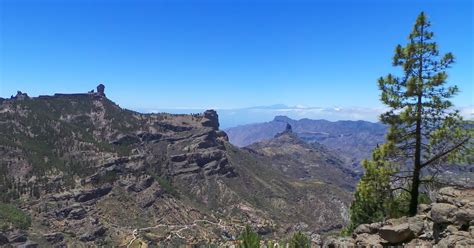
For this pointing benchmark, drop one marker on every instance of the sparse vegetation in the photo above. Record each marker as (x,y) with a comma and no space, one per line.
(165,184)
(11,216)
(300,240)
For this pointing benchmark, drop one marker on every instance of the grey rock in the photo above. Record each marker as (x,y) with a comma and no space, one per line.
(88,195)
(464,216)
(443,213)
(423,208)
(77,213)
(339,242)
(397,234)
(369,240)
(457,239)
(368,228)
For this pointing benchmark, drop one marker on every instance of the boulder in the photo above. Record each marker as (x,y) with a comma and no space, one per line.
(457,239)
(464,216)
(339,242)
(448,195)
(368,228)
(419,243)
(423,208)
(369,240)
(443,213)
(397,234)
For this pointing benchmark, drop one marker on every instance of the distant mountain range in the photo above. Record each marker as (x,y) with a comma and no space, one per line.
(230,117)
(351,140)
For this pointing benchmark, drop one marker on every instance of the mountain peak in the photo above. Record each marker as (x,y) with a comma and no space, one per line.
(282,118)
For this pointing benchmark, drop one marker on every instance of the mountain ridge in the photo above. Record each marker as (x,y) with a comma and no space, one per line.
(353,140)
(80,162)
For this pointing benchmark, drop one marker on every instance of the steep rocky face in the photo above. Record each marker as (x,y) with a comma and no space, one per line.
(86,171)
(448,222)
(299,159)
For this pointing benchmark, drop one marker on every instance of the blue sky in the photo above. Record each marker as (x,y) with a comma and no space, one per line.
(157,55)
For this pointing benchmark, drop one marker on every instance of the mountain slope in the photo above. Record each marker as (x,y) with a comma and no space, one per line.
(352,140)
(302,160)
(86,171)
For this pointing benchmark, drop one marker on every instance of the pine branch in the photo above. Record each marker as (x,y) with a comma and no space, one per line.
(440,155)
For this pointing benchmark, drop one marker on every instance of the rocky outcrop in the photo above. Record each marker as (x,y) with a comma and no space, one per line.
(448,222)
(101,90)
(211,119)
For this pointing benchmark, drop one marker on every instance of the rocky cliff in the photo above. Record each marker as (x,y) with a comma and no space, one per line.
(448,222)
(76,169)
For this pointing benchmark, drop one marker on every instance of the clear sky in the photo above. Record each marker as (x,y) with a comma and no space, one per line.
(222,54)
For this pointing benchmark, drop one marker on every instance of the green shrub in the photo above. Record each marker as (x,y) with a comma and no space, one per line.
(249,238)
(300,240)
(12,216)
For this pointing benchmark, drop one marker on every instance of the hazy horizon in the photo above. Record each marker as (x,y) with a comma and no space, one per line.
(224,55)
(239,57)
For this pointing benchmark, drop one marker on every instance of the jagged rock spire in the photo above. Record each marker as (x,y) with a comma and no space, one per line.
(288,128)
(101,90)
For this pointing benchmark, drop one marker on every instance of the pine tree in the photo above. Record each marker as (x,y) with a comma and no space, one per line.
(249,238)
(424,131)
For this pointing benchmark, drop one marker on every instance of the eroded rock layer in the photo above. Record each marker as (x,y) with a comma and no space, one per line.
(86,171)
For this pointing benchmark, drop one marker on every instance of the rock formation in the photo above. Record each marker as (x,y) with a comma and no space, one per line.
(89,173)
(447,222)
(101,90)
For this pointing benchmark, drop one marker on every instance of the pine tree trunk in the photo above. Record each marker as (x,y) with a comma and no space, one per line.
(417,165)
